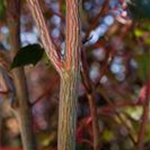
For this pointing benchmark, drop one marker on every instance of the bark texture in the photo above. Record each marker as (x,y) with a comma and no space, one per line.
(68,68)
(67,111)
(69,79)
(22,110)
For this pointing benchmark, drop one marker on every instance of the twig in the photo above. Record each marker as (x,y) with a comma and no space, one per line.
(87,141)
(48,43)
(21,109)
(140,142)
(91,98)
(119,117)
(4,92)
(47,91)
(108,109)
(96,19)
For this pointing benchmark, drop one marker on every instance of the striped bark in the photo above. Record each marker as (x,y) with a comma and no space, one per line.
(69,79)
(67,111)
(22,110)
(68,68)
(48,44)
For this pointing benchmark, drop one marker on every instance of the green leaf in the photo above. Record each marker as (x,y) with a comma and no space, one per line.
(143,66)
(81,147)
(138,32)
(30,54)
(2,9)
(139,9)
(108,135)
(147,40)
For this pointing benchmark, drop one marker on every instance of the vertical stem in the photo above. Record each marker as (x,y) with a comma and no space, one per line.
(0,123)
(22,111)
(48,43)
(91,98)
(69,79)
(141,135)
(95,125)
(73,39)
(68,70)
(67,111)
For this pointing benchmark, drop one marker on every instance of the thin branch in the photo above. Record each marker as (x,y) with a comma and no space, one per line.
(96,19)
(61,19)
(4,92)
(72,28)
(91,98)
(140,142)
(119,116)
(49,45)
(47,91)
(108,109)
(105,64)
(87,141)
(21,109)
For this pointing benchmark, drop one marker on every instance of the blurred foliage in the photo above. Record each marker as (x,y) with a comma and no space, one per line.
(143,65)
(139,9)
(118,68)
(2,9)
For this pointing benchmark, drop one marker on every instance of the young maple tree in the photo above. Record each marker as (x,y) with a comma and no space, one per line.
(67,66)
(115,90)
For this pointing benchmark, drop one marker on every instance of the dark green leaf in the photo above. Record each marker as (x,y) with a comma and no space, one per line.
(139,9)
(2,9)
(143,66)
(81,147)
(27,55)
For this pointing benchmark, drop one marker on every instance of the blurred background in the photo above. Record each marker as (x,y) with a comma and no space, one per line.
(116,39)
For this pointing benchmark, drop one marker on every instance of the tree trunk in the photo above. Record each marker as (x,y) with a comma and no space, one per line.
(68,68)
(67,111)
(69,79)
(22,110)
